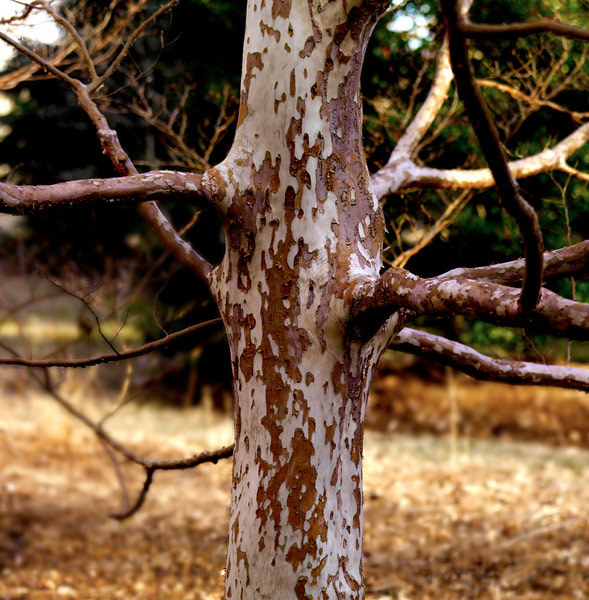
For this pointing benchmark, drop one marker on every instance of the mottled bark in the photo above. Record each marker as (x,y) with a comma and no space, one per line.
(25,199)
(479,366)
(302,227)
(444,296)
(299,289)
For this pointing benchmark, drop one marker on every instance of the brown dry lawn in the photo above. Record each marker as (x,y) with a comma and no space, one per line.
(487,518)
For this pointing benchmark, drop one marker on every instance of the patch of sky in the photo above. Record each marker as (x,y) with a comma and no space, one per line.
(38,27)
(416,24)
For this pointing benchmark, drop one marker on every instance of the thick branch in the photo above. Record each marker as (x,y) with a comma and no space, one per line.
(490,144)
(479,366)
(477,31)
(407,175)
(27,199)
(490,302)
(164,342)
(389,178)
(571,261)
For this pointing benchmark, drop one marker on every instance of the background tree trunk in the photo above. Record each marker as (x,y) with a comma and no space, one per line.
(302,228)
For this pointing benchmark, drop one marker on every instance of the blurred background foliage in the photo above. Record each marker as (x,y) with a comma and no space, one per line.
(174,104)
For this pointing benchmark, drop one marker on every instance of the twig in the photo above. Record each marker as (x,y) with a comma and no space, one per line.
(44,64)
(67,25)
(128,44)
(519,95)
(148,464)
(86,304)
(106,358)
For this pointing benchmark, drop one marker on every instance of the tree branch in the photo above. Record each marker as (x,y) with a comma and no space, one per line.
(479,366)
(128,45)
(517,94)
(570,261)
(490,145)
(490,302)
(477,31)
(148,464)
(164,342)
(408,175)
(111,147)
(385,180)
(28,199)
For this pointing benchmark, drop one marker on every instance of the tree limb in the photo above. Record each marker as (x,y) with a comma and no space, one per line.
(479,366)
(106,358)
(111,147)
(407,175)
(490,145)
(150,465)
(29,199)
(489,302)
(477,31)
(570,261)
(387,179)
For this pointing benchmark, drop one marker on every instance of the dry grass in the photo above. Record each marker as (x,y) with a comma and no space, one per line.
(490,520)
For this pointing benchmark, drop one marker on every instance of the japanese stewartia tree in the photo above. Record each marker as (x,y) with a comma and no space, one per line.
(306,304)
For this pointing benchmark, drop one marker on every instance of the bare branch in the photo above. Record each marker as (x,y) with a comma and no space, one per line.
(387,179)
(448,216)
(44,64)
(88,307)
(80,43)
(570,261)
(574,172)
(490,302)
(429,109)
(106,358)
(150,465)
(490,144)
(28,199)
(413,176)
(18,17)
(128,510)
(479,366)
(537,102)
(128,44)
(407,175)
(111,147)
(477,31)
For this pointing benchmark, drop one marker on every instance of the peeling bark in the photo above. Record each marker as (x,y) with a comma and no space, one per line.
(24,199)
(302,227)
(299,289)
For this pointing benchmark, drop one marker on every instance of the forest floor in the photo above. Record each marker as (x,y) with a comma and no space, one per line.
(446,517)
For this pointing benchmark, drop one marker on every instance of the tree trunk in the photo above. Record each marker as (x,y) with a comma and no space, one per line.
(303,227)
